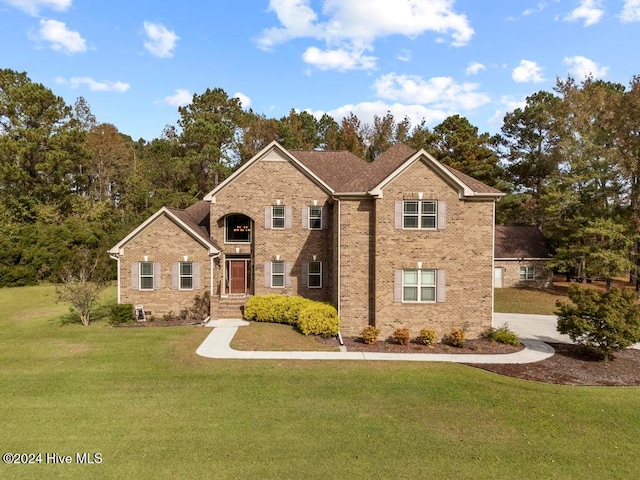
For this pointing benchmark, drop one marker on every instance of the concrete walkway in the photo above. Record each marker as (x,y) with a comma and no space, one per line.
(533,331)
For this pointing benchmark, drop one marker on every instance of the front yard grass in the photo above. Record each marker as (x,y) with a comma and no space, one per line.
(153,409)
(527,300)
(275,337)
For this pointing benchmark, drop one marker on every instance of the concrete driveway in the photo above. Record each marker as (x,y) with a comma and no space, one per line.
(534,327)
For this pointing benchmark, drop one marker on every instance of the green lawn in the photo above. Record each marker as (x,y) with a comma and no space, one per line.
(525,300)
(153,409)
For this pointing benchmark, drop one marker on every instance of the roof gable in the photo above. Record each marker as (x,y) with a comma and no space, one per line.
(393,165)
(273,151)
(183,219)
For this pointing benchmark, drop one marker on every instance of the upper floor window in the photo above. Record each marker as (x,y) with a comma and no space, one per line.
(237,229)
(315,218)
(277,217)
(146,276)
(186,275)
(419,214)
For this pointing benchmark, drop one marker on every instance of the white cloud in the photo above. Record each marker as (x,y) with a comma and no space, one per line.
(244,99)
(441,92)
(180,98)
(338,59)
(507,104)
(474,67)
(589,11)
(32,7)
(404,55)
(630,11)
(366,111)
(94,85)
(160,40)
(60,37)
(581,67)
(527,71)
(352,26)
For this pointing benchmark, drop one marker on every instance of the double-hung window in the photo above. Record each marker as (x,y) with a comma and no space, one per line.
(315,274)
(277,217)
(277,273)
(146,276)
(186,275)
(315,218)
(419,285)
(527,273)
(420,214)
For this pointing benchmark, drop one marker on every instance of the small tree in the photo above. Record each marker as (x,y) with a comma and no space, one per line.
(79,288)
(607,322)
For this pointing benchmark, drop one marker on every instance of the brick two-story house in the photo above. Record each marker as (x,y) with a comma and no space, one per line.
(401,241)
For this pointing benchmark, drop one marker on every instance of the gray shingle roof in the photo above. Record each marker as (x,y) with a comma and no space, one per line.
(348,173)
(520,242)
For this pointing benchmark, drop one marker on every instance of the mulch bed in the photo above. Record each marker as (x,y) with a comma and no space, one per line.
(570,365)
(481,345)
(157,323)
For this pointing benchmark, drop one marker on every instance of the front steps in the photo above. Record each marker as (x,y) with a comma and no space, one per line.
(228,307)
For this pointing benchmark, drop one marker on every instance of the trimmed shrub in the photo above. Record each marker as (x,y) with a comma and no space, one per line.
(502,335)
(274,309)
(122,313)
(456,338)
(318,319)
(426,336)
(401,336)
(370,335)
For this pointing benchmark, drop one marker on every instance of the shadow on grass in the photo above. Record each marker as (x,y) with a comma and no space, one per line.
(99,313)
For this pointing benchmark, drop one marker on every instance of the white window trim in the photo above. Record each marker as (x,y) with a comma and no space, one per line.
(528,269)
(419,285)
(310,218)
(181,276)
(152,276)
(283,274)
(309,274)
(420,214)
(283,217)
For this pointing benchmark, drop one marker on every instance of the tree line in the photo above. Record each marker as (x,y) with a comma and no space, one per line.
(569,162)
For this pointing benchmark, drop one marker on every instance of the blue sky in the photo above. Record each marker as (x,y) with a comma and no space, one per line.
(135,62)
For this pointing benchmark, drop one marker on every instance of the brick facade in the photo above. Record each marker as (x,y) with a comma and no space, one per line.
(165,243)
(261,186)
(360,245)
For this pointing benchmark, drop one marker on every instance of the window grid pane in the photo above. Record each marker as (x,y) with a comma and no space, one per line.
(419,285)
(315,218)
(186,275)
(146,275)
(315,274)
(277,273)
(277,217)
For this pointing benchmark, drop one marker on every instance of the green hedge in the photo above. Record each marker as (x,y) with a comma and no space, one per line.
(121,313)
(318,318)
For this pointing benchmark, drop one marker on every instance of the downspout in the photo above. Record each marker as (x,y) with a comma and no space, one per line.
(493,262)
(338,270)
(116,257)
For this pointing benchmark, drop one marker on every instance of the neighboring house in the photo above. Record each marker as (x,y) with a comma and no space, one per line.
(521,257)
(403,241)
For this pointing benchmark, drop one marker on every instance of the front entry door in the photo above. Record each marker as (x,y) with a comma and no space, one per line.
(497,275)
(237,276)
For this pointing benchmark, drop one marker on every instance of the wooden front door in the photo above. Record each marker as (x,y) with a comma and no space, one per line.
(237,276)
